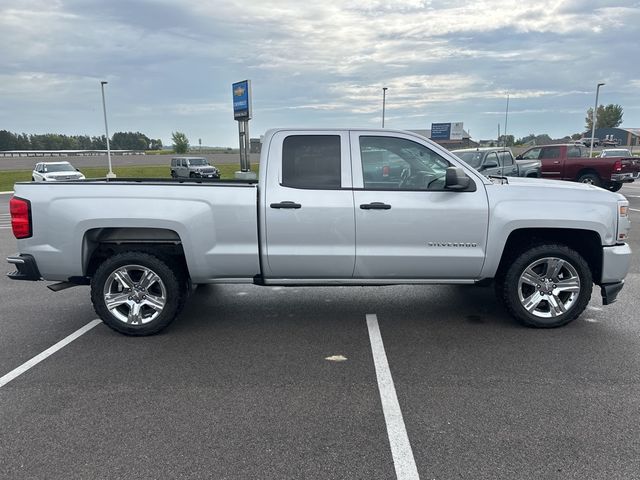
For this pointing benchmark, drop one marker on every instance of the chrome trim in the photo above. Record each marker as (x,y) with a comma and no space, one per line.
(15,260)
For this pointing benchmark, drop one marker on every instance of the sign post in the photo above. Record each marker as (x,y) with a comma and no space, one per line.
(242,110)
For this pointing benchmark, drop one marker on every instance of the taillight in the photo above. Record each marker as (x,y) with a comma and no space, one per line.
(20,217)
(617,166)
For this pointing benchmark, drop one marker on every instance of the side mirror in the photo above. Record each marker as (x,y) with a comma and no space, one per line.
(519,157)
(77,169)
(490,164)
(456,179)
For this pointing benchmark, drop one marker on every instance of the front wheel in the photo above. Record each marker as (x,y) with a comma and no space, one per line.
(546,286)
(136,293)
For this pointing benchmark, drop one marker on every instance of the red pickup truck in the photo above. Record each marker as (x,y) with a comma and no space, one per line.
(567,162)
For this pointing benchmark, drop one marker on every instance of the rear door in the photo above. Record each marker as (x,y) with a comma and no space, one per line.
(407,225)
(309,224)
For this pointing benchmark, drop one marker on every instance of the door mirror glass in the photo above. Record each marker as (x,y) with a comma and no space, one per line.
(490,164)
(456,179)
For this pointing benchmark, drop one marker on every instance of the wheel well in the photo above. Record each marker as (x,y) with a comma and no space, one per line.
(101,243)
(584,171)
(586,242)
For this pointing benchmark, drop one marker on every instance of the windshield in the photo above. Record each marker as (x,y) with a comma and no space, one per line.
(616,153)
(198,162)
(59,167)
(473,159)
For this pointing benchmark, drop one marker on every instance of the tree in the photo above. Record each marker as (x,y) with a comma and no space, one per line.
(180,142)
(608,117)
(507,141)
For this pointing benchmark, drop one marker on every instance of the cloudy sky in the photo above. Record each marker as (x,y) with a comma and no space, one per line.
(170,64)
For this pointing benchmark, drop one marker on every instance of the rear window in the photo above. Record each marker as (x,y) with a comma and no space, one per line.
(311,161)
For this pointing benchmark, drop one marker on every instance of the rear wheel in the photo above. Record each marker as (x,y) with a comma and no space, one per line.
(546,286)
(136,293)
(615,186)
(590,178)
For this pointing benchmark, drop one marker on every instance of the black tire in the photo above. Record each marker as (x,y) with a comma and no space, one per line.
(173,174)
(515,292)
(615,186)
(192,175)
(150,317)
(590,178)
(33,179)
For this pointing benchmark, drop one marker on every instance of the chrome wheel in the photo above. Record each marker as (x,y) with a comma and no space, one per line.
(549,287)
(134,294)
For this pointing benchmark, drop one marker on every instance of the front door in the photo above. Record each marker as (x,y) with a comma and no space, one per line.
(308,207)
(407,225)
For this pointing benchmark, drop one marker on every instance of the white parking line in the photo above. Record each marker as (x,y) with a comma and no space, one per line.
(48,352)
(401,451)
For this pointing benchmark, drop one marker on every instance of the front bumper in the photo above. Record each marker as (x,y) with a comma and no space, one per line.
(27,268)
(616,261)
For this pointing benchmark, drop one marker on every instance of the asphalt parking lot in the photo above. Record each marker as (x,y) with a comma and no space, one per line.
(240,386)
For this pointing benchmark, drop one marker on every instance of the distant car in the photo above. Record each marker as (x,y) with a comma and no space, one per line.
(55,171)
(498,161)
(616,152)
(587,141)
(193,167)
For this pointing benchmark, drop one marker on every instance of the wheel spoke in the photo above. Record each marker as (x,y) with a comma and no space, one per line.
(568,285)
(530,277)
(532,301)
(123,278)
(148,279)
(134,313)
(157,303)
(556,305)
(554,265)
(113,300)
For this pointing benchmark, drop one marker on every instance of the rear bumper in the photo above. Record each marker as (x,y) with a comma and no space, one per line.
(27,268)
(624,177)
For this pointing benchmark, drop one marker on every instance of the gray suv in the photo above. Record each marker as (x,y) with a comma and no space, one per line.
(193,167)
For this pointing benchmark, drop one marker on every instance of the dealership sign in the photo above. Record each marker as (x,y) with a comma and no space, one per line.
(447,131)
(242,100)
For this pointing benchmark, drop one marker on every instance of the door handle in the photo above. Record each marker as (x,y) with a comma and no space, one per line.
(375,206)
(556,163)
(286,205)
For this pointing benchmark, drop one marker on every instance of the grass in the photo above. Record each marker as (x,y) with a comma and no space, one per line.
(9,177)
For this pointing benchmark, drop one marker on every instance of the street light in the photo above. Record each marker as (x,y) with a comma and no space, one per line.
(110,174)
(384,100)
(594,119)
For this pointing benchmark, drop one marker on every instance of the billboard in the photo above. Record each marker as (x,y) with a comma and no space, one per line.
(440,131)
(447,131)
(241,100)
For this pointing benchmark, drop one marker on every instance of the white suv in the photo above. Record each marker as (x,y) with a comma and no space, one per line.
(55,171)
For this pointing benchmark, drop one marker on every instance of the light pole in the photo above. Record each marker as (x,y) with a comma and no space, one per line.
(594,119)
(110,174)
(506,117)
(384,101)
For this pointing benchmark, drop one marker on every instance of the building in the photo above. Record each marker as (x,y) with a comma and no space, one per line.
(625,136)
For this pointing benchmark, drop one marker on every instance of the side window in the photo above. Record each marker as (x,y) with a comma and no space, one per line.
(506,159)
(551,152)
(390,163)
(492,157)
(311,161)
(574,152)
(183,162)
(532,154)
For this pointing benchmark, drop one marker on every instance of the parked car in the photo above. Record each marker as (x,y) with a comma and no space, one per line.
(616,152)
(193,167)
(498,161)
(315,219)
(567,162)
(587,141)
(55,171)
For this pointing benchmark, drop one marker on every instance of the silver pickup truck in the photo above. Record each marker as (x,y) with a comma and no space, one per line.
(332,207)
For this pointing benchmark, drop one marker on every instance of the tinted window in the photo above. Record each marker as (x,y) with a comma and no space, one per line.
(390,163)
(551,152)
(492,157)
(311,161)
(574,152)
(532,154)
